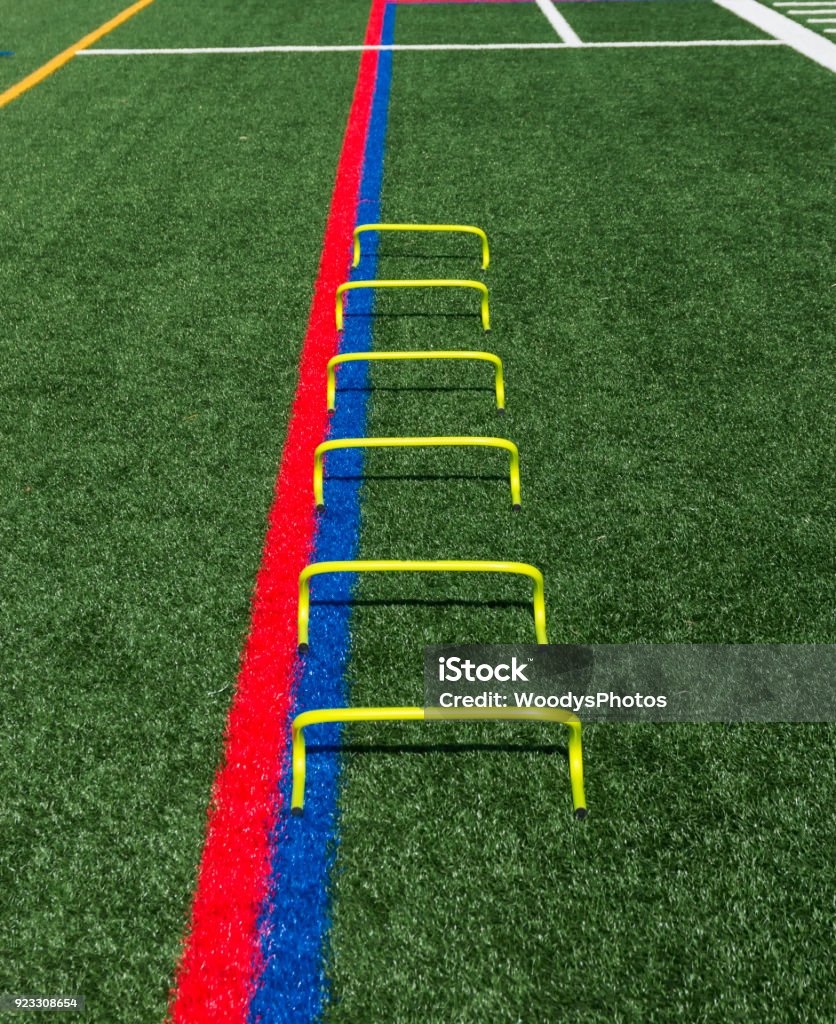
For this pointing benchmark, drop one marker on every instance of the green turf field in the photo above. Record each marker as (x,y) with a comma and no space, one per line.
(244,23)
(639,19)
(661,293)
(157,266)
(39,29)
(594,22)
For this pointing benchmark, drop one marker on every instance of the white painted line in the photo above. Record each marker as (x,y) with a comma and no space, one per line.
(806,3)
(820,21)
(826,10)
(426,46)
(804,40)
(559,23)
(314,49)
(683,42)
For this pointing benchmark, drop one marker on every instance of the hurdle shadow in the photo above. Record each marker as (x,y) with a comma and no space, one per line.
(415,387)
(421,602)
(473,264)
(427,749)
(420,477)
(471,315)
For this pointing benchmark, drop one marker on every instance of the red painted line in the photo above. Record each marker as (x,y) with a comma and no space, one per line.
(220,963)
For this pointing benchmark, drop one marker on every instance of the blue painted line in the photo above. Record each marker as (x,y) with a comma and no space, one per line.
(7,53)
(293,987)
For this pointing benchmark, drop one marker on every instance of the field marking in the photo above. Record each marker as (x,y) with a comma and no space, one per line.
(186,51)
(222,956)
(807,42)
(559,23)
(45,70)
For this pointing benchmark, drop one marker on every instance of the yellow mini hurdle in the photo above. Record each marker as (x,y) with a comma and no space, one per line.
(414,714)
(417,442)
(432,283)
(465,228)
(353,357)
(410,565)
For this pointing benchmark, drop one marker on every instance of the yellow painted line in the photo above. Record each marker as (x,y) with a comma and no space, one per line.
(62,58)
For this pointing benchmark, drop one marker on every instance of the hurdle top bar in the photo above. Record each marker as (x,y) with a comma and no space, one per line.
(464,228)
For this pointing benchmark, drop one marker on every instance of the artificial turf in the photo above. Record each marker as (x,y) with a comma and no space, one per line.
(37,30)
(244,23)
(594,22)
(627,20)
(472,23)
(660,293)
(157,256)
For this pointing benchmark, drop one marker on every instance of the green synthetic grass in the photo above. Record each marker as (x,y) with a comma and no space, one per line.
(513,23)
(244,23)
(37,30)
(661,293)
(157,256)
(673,19)
(473,23)
(660,290)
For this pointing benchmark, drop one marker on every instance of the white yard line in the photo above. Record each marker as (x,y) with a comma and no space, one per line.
(820,21)
(427,46)
(559,23)
(683,42)
(804,40)
(805,3)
